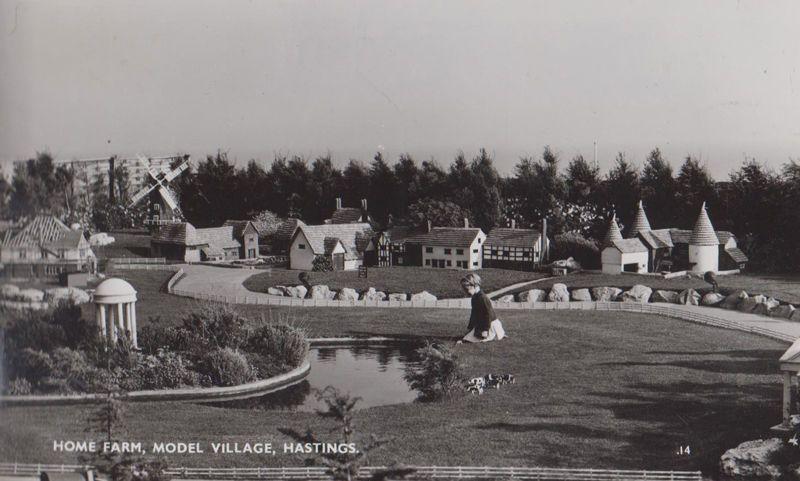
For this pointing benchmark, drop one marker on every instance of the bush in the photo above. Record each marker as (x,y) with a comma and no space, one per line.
(228,367)
(583,250)
(156,336)
(218,326)
(19,387)
(284,343)
(165,370)
(437,374)
(33,332)
(32,365)
(322,264)
(73,367)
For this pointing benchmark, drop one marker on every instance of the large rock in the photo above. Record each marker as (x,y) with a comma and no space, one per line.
(372,295)
(9,291)
(30,295)
(55,295)
(275,291)
(785,311)
(765,307)
(712,299)
(320,291)
(558,293)
(689,297)
(100,239)
(398,296)
(606,294)
(427,296)
(795,315)
(751,460)
(747,305)
(347,294)
(532,295)
(581,295)
(298,292)
(637,293)
(506,298)
(733,300)
(664,296)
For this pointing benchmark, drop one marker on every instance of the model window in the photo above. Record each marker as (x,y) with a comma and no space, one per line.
(475,263)
(505,254)
(448,251)
(449,263)
(494,252)
(460,252)
(427,262)
(526,254)
(474,251)
(429,250)
(301,246)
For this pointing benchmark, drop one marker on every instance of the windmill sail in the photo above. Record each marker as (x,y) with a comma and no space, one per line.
(141,194)
(176,171)
(168,197)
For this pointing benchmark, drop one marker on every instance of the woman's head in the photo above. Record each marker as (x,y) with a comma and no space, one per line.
(471,283)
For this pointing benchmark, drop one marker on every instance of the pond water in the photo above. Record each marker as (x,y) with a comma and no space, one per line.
(373,373)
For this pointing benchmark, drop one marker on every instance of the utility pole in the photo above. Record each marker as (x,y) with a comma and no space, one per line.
(595,155)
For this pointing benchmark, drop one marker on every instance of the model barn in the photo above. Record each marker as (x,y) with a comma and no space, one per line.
(622,255)
(344,244)
(184,242)
(512,248)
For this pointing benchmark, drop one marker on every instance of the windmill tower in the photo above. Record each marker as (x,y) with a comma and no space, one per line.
(163,205)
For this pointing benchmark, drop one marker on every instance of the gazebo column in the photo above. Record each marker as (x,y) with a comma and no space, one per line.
(101,320)
(121,319)
(112,324)
(135,338)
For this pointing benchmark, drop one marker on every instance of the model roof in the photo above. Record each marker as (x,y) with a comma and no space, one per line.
(347,215)
(613,232)
(656,239)
(640,223)
(354,237)
(628,246)
(503,236)
(219,237)
(703,233)
(737,255)
(42,230)
(447,237)
(182,233)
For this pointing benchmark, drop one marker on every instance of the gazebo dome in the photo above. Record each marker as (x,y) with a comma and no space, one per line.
(114,291)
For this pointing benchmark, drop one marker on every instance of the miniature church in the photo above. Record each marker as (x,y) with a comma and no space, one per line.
(645,249)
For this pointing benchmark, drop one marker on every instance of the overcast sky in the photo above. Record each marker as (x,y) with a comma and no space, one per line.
(717,80)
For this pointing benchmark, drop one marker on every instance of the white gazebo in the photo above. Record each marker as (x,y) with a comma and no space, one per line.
(115,305)
(790,367)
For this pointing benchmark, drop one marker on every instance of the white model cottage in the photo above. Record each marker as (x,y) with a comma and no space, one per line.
(344,244)
(451,247)
(622,255)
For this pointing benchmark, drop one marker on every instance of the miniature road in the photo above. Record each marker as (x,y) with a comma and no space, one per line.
(500,292)
(203,280)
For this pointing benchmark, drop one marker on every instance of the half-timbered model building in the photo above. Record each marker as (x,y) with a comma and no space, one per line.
(390,247)
(512,248)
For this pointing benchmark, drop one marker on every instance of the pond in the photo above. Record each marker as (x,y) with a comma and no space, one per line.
(372,372)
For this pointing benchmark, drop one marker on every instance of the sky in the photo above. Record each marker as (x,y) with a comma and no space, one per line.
(717,80)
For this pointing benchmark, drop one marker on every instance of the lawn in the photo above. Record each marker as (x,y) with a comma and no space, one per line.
(783,287)
(594,389)
(126,244)
(443,283)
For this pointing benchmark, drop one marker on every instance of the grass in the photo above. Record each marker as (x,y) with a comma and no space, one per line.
(594,389)
(785,288)
(126,244)
(443,283)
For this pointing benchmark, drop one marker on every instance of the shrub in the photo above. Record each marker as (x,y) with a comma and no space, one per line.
(583,250)
(322,264)
(228,367)
(73,367)
(19,387)
(282,342)
(218,326)
(156,336)
(33,332)
(68,317)
(437,373)
(31,364)
(164,370)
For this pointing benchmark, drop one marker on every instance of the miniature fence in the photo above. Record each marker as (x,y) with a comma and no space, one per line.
(442,472)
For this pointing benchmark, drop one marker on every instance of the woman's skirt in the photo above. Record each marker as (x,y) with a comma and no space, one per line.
(496,332)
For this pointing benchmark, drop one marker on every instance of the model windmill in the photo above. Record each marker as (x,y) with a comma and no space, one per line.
(164,207)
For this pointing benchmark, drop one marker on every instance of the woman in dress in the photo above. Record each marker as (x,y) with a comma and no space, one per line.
(483,323)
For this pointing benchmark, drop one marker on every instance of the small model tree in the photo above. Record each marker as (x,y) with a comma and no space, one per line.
(342,466)
(321,264)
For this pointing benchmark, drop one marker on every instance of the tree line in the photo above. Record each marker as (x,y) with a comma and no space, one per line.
(756,203)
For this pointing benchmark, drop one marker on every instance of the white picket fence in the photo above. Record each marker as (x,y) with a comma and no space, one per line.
(420,472)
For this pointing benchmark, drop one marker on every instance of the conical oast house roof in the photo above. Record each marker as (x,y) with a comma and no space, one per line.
(703,233)
(613,232)
(640,223)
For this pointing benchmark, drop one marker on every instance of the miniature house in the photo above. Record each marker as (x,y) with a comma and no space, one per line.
(622,255)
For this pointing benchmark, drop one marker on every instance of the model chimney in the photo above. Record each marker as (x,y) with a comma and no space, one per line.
(338,203)
(513,223)
(466,223)
(430,226)
(364,205)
